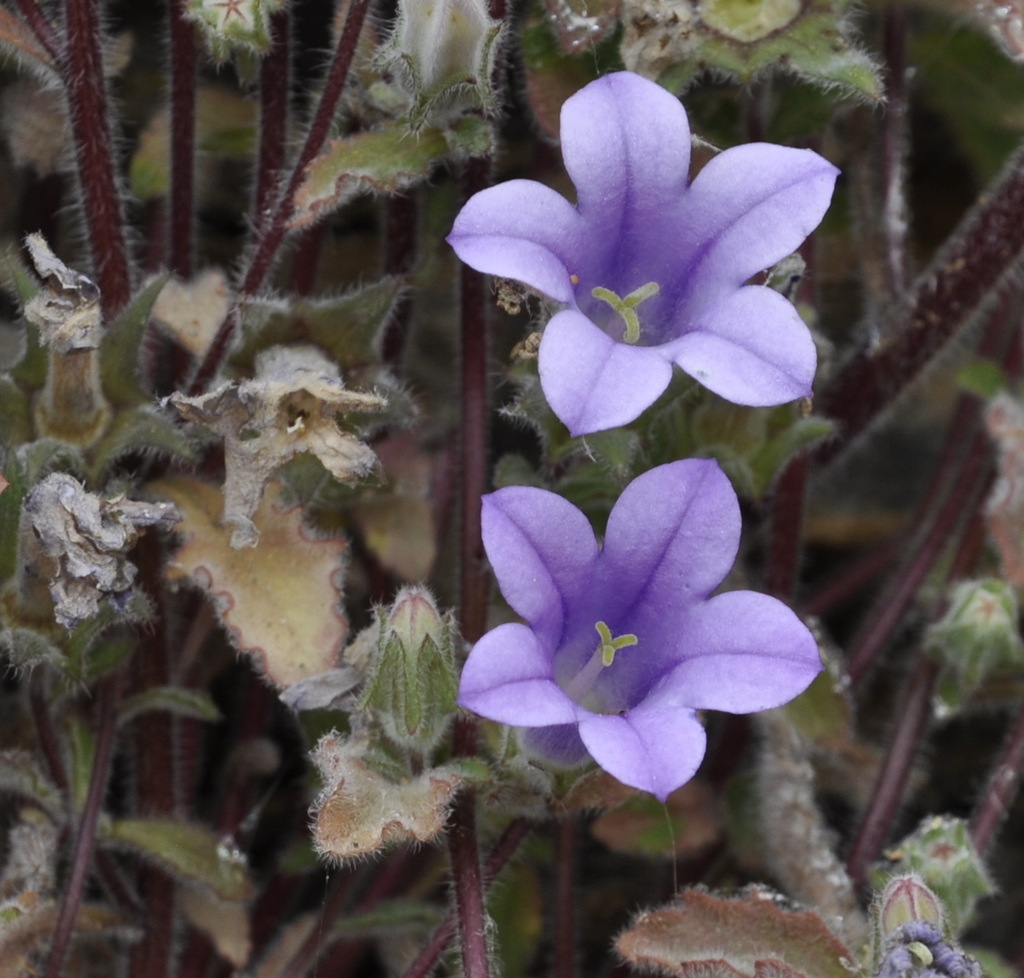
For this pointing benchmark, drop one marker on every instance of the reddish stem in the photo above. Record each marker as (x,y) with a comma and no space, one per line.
(442,936)
(565,905)
(787,520)
(269,241)
(983,251)
(183,140)
(275,99)
(1002,788)
(41,27)
(107,697)
(91,130)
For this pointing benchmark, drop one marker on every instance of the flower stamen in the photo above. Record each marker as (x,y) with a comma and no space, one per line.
(626,307)
(604,656)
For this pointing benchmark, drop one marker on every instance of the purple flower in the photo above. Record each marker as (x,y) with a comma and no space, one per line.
(622,643)
(653,268)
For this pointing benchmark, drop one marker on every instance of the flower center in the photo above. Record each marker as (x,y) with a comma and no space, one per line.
(604,655)
(626,308)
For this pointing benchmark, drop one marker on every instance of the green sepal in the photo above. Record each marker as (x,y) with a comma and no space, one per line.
(92,651)
(191,703)
(191,853)
(412,682)
(15,411)
(119,349)
(146,431)
(348,327)
(23,286)
(25,648)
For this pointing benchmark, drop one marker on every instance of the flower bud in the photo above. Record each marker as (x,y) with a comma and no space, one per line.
(444,48)
(977,636)
(940,854)
(412,681)
(905,900)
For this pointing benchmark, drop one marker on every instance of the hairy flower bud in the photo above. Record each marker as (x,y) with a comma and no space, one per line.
(412,681)
(444,49)
(905,900)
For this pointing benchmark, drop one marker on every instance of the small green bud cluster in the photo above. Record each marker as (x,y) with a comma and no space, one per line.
(412,680)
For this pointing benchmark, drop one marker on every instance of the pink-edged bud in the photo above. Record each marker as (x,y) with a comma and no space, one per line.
(906,900)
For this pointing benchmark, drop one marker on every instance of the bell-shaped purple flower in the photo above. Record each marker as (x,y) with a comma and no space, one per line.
(653,269)
(622,643)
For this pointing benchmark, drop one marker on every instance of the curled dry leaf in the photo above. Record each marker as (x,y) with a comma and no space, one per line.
(88,538)
(281,602)
(360,811)
(287,409)
(753,937)
(67,308)
(225,922)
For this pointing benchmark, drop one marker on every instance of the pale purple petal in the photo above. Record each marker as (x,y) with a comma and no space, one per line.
(751,348)
(626,146)
(655,747)
(671,537)
(591,381)
(747,209)
(507,678)
(744,652)
(524,231)
(542,549)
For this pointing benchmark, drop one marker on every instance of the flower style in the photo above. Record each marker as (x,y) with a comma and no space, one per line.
(651,267)
(622,643)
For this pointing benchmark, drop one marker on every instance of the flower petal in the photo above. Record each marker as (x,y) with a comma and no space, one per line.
(671,539)
(747,209)
(626,145)
(542,549)
(745,652)
(507,678)
(524,231)
(593,382)
(656,747)
(752,348)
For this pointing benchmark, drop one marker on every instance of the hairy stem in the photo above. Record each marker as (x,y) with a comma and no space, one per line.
(275,100)
(183,140)
(894,151)
(438,943)
(1001,790)
(985,249)
(107,698)
(272,234)
(92,132)
(41,27)
(565,905)
(786,531)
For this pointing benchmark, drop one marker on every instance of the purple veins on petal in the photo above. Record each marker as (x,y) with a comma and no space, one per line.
(655,266)
(622,643)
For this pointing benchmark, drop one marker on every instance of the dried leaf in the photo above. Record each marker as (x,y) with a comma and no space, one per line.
(17,39)
(360,811)
(35,123)
(752,937)
(67,308)
(89,538)
(287,409)
(280,602)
